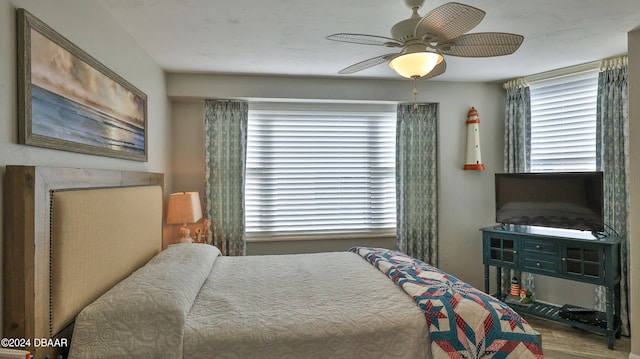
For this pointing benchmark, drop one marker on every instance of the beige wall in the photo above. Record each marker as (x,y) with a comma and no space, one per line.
(99,35)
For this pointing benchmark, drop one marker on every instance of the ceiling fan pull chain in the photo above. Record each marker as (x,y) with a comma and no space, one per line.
(415,94)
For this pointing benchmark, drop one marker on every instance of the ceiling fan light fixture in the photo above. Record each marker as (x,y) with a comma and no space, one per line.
(443,30)
(415,64)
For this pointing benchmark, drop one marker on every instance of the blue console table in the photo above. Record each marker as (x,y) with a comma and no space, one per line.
(568,254)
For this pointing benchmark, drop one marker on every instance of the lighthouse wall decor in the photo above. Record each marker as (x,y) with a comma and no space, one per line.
(474,159)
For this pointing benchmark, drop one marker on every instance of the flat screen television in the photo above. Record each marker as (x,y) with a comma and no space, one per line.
(569,200)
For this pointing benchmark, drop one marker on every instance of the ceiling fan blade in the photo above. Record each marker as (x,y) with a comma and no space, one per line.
(448,21)
(437,71)
(365,39)
(366,64)
(482,44)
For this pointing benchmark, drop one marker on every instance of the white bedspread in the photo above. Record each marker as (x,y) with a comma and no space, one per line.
(328,305)
(188,302)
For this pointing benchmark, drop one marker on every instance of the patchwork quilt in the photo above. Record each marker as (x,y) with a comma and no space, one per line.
(463,321)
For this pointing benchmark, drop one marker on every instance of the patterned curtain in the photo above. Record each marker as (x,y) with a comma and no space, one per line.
(517,127)
(517,154)
(612,149)
(225,162)
(416,181)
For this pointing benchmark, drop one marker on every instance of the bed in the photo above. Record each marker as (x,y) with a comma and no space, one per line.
(85,248)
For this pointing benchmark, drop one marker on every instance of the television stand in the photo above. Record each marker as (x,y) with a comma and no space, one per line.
(566,254)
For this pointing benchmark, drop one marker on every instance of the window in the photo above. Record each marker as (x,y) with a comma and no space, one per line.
(320,170)
(563,123)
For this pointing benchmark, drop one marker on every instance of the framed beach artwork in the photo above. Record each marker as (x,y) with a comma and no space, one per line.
(67,100)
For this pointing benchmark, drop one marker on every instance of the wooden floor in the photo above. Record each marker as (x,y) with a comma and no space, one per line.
(561,341)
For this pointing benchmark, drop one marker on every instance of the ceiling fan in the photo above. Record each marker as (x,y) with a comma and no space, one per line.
(423,41)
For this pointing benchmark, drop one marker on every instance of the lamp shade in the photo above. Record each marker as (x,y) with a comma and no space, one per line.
(415,64)
(184,207)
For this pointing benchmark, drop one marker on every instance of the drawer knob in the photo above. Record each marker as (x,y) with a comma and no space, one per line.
(538,246)
(564,259)
(538,264)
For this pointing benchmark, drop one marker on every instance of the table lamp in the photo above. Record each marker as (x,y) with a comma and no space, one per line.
(184,207)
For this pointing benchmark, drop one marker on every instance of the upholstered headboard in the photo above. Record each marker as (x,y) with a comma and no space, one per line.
(71,234)
(98,238)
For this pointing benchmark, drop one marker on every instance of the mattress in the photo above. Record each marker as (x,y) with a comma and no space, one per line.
(190,302)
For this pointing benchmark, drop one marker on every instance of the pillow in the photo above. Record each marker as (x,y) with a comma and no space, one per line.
(143,316)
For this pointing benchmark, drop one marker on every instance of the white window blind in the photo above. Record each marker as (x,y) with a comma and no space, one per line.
(324,169)
(563,123)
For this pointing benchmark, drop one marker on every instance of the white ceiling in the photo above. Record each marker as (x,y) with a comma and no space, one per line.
(287,37)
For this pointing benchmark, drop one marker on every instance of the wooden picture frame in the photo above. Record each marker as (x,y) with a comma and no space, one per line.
(69,101)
